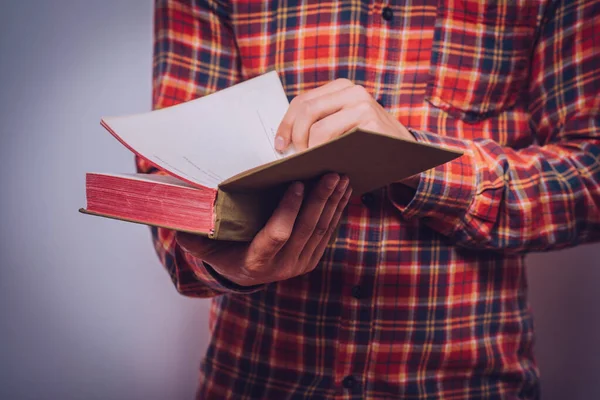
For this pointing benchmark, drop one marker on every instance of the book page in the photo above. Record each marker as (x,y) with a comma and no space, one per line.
(151,178)
(208,140)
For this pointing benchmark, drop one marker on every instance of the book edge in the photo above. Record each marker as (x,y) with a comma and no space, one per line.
(228,182)
(114,217)
(132,176)
(124,143)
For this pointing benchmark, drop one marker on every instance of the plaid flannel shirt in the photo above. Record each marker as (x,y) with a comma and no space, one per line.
(417,298)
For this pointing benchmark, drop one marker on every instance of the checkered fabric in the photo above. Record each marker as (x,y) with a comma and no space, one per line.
(419,297)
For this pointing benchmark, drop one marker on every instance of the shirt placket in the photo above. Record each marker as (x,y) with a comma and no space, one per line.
(366,213)
(357,311)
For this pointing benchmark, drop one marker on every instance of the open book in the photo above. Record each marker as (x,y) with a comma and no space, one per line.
(222,176)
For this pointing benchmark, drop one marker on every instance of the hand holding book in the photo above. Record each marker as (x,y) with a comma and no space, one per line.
(291,243)
(322,114)
(221,175)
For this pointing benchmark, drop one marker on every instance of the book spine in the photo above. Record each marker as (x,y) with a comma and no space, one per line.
(239,216)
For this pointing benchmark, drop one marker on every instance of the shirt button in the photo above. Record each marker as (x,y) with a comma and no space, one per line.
(356,292)
(387,14)
(349,382)
(368,199)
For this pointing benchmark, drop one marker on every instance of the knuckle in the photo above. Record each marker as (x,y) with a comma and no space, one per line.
(334,222)
(277,236)
(296,101)
(300,140)
(360,92)
(320,231)
(316,129)
(303,229)
(253,265)
(287,121)
(307,108)
(364,107)
(345,81)
(254,261)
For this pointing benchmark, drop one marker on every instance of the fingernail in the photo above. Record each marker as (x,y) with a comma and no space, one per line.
(298,188)
(279,143)
(343,184)
(332,181)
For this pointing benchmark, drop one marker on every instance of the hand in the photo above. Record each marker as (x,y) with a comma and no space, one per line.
(291,243)
(322,114)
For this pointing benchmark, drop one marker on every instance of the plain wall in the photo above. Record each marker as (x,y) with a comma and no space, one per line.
(86,311)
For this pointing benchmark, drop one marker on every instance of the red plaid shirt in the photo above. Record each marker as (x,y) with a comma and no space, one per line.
(417,299)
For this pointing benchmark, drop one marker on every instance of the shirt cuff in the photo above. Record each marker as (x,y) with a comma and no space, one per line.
(212,279)
(444,193)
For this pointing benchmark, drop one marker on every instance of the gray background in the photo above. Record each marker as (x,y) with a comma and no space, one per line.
(86,311)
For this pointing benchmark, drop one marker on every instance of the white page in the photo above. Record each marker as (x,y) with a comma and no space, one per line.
(151,178)
(208,140)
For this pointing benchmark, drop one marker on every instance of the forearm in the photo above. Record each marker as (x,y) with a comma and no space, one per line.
(535,199)
(545,196)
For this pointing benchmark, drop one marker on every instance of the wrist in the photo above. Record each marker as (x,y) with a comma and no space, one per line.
(230,282)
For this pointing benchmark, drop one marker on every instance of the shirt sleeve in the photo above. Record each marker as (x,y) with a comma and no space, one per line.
(545,196)
(194,54)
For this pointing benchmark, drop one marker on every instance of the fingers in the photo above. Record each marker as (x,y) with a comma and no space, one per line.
(335,125)
(312,110)
(320,249)
(278,229)
(284,132)
(325,220)
(310,215)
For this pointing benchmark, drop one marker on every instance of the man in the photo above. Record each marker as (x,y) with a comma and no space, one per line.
(422,293)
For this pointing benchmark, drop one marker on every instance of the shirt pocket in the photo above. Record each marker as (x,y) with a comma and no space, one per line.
(480,56)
